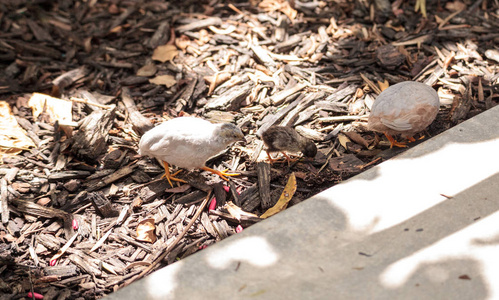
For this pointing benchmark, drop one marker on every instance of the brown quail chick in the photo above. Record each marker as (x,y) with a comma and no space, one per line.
(280,139)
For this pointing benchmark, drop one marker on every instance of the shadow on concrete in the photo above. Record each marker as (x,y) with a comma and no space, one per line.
(319,256)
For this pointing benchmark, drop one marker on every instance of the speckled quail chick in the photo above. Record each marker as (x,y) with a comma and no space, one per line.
(281,138)
(405,109)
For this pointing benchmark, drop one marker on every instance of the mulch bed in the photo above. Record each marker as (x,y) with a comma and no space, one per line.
(84,215)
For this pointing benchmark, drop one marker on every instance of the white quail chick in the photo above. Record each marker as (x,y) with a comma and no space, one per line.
(188,142)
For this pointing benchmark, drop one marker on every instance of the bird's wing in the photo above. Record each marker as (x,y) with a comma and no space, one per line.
(399,124)
(281,139)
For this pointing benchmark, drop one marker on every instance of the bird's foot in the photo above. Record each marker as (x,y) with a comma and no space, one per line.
(222,174)
(393,142)
(289,159)
(169,176)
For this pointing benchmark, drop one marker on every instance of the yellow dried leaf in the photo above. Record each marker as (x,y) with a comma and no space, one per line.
(54,108)
(383,85)
(13,138)
(165,53)
(147,70)
(455,6)
(236,211)
(145,231)
(286,196)
(167,80)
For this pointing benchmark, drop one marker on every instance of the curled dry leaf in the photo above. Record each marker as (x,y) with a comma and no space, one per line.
(13,138)
(145,231)
(344,140)
(357,138)
(237,212)
(165,53)
(286,196)
(167,80)
(54,108)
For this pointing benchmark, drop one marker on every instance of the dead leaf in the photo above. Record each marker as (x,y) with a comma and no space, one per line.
(165,53)
(13,139)
(54,108)
(236,211)
(455,6)
(147,70)
(286,196)
(145,231)
(383,85)
(359,93)
(344,140)
(167,80)
(354,136)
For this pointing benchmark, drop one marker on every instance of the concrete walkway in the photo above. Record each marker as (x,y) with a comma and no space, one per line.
(423,225)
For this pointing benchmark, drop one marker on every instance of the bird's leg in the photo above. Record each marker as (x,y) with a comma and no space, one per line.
(270,157)
(272,161)
(222,174)
(169,176)
(393,142)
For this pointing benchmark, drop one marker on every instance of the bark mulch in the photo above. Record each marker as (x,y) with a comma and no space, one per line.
(84,215)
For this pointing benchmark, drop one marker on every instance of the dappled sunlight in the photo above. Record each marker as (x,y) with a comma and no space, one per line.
(455,248)
(254,250)
(164,282)
(441,171)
